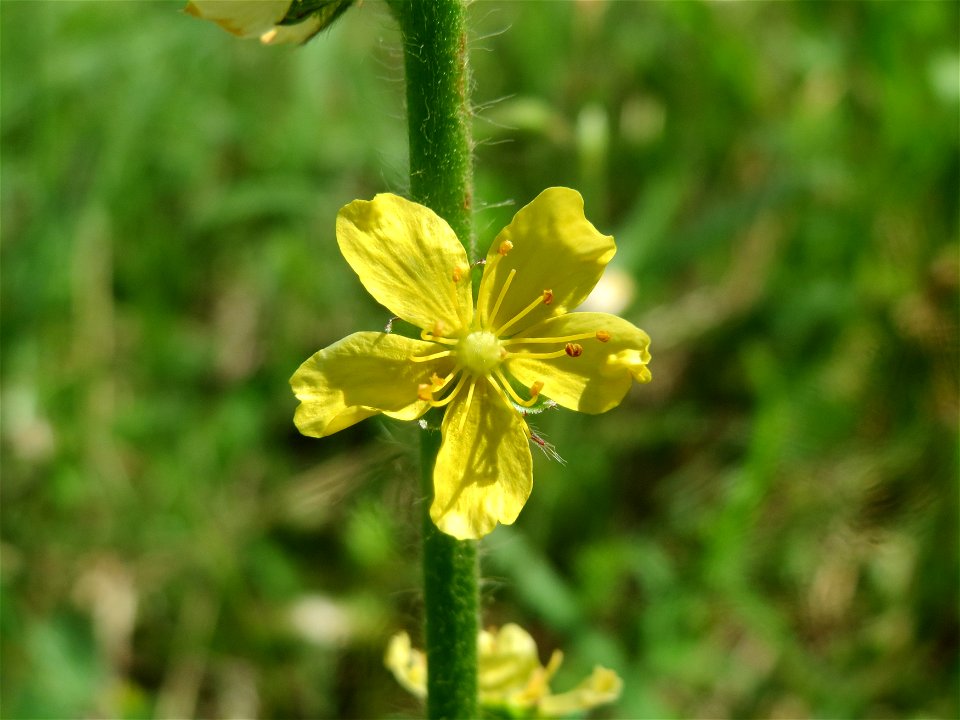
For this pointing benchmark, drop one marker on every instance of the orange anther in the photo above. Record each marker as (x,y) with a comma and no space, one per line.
(439,329)
(424,392)
(547,297)
(457,274)
(536,388)
(573,350)
(603,336)
(436,380)
(505,247)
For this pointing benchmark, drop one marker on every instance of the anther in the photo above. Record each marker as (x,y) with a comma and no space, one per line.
(536,388)
(457,274)
(439,329)
(436,380)
(603,336)
(424,392)
(573,350)
(505,247)
(547,297)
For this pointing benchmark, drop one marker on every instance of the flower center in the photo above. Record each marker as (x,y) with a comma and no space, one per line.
(479,352)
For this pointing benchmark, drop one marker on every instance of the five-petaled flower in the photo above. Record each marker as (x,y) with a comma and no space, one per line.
(486,363)
(510,678)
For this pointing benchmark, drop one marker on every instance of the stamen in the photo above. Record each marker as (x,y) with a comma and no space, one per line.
(484,290)
(466,405)
(434,356)
(570,350)
(536,388)
(506,401)
(451,395)
(505,247)
(603,336)
(502,295)
(513,393)
(547,297)
(458,274)
(432,336)
(438,381)
(538,356)
(545,340)
(425,392)
(519,316)
(452,287)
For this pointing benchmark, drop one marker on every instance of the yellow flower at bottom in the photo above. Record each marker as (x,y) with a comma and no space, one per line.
(510,675)
(486,363)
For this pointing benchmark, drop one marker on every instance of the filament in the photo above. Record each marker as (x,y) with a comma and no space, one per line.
(485,285)
(509,404)
(568,338)
(538,356)
(502,295)
(434,356)
(519,316)
(453,393)
(513,393)
(456,300)
(466,405)
(430,337)
(443,383)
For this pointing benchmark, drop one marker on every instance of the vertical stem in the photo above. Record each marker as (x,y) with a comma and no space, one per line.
(450,608)
(438,111)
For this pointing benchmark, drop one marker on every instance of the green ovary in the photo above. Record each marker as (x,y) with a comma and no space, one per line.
(479,352)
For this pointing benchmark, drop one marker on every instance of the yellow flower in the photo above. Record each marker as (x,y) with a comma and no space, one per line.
(486,363)
(263,18)
(510,675)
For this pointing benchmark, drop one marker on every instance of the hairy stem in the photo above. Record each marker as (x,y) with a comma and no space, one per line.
(438,112)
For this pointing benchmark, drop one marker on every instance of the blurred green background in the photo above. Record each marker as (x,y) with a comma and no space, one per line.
(769,529)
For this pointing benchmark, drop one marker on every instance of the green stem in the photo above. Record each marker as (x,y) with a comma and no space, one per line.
(438,112)
(450,608)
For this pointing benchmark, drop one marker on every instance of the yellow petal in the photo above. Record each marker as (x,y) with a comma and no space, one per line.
(508,660)
(603,686)
(554,247)
(359,376)
(484,472)
(597,379)
(244,18)
(407,257)
(409,666)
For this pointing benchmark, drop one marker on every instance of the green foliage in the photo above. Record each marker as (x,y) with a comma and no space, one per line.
(768,529)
